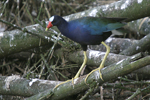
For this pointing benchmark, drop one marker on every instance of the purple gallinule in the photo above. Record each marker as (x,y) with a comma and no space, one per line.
(87,31)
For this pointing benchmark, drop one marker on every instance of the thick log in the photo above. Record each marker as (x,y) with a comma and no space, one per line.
(141,45)
(117,45)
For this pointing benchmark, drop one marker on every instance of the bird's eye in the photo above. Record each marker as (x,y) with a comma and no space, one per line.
(51,19)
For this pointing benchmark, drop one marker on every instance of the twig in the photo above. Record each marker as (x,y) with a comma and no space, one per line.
(4,8)
(92,87)
(125,79)
(46,64)
(23,29)
(9,63)
(40,9)
(48,14)
(30,16)
(69,6)
(138,91)
(101,92)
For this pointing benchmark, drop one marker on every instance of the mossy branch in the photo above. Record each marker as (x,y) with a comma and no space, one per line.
(14,85)
(141,45)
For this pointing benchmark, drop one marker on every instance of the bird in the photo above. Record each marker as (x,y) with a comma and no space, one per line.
(87,31)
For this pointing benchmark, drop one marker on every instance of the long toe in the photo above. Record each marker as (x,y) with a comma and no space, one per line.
(100,75)
(61,84)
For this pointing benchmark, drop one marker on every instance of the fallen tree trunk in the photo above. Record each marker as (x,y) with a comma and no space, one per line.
(141,45)
(94,57)
(121,68)
(15,85)
(140,26)
(117,45)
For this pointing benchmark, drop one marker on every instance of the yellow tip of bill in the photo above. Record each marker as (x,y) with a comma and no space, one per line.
(46,29)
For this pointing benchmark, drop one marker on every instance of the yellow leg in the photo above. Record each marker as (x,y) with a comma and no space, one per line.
(78,73)
(102,63)
(82,66)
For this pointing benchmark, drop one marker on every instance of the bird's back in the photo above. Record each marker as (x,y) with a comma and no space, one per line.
(97,25)
(92,30)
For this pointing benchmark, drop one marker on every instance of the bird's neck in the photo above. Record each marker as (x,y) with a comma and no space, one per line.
(63,26)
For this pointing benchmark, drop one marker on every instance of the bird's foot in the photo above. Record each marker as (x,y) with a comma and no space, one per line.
(100,73)
(64,83)
(99,68)
(94,71)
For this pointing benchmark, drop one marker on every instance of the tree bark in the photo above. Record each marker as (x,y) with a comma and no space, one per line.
(116,45)
(15,41)
(123,67)
(94,57)
(124,8)
(141,45)
(15,85)
(140,26)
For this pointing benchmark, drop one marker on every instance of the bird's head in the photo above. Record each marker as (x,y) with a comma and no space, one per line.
(53,21)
